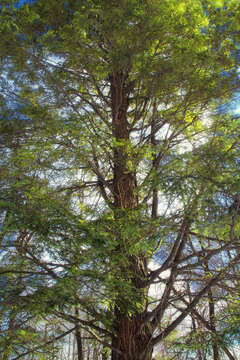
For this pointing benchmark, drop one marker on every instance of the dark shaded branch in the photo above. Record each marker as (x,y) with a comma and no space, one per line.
(207,326)
(191,306)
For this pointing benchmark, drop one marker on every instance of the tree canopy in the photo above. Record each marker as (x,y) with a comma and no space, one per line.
(118,172)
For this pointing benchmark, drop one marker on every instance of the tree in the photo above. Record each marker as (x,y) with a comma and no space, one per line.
(114,164)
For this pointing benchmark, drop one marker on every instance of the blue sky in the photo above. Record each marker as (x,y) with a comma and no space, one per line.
(20,2)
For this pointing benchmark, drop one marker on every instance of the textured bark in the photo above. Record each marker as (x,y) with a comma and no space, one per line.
(124,182)
(132,339)
(131,335)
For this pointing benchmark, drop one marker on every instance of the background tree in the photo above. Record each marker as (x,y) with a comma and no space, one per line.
(118,161)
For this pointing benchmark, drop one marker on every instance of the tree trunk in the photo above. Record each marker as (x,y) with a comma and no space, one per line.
(131,339)
(211,307)
(78,337)
(79,344)
(212,324)
(131,334)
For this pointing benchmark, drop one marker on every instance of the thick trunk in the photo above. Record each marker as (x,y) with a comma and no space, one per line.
(131,334)
(131,339)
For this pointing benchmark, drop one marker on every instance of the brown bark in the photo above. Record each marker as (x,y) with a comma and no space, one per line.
(131,335)
(124,182)
(132,339)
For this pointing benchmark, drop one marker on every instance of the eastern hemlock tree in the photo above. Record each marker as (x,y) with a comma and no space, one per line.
(116,161)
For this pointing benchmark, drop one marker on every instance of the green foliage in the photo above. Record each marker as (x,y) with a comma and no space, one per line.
(161,69)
